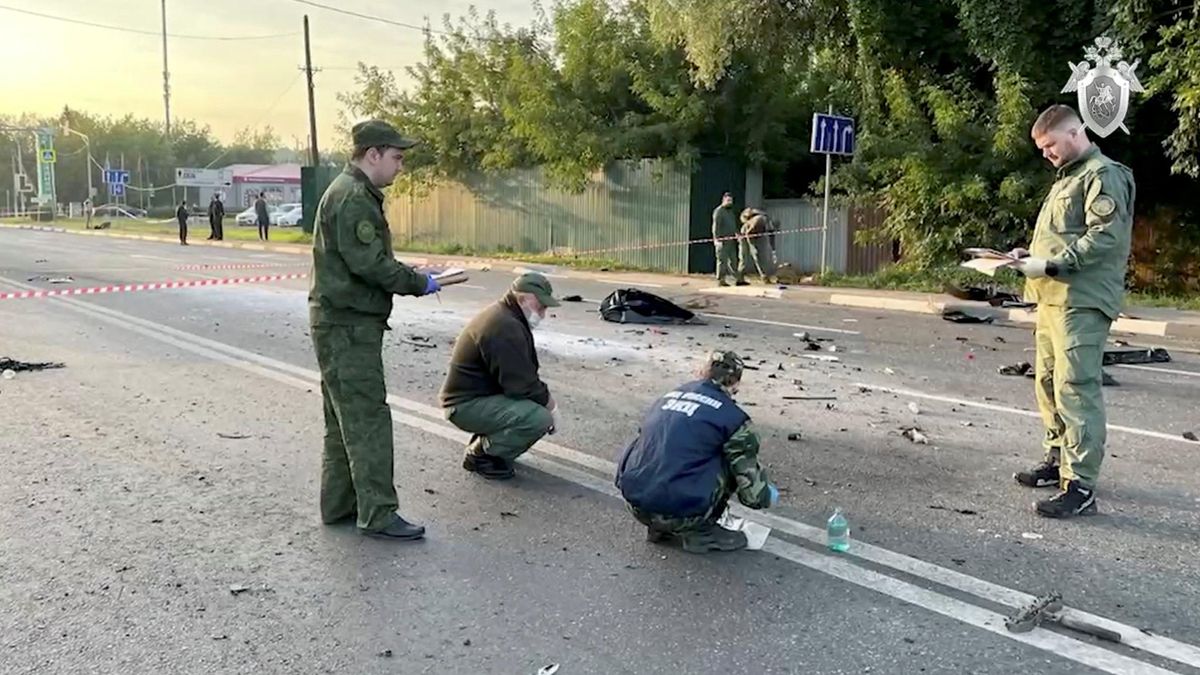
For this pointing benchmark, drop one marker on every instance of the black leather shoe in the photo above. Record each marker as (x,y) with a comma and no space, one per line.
(398,530)
(492,468)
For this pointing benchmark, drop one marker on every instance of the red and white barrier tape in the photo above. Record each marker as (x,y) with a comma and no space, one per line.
(154,286)
(241,266)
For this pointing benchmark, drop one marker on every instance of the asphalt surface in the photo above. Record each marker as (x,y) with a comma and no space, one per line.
(176,457)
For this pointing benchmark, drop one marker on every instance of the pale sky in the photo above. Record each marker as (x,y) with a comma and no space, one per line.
(224,84)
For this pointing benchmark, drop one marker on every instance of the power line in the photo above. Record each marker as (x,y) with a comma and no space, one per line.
(368,17)
(261,117)
(124,29)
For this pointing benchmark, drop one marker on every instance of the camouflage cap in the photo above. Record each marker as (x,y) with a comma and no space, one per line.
(375,133)
(726,364)
(538,285)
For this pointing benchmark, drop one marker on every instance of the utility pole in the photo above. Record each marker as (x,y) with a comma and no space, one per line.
(166,72)
(313,154)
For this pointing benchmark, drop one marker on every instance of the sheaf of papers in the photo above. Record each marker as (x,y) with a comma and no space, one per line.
(756,535)
(987,260)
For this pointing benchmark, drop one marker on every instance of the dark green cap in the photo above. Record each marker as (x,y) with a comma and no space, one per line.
(538,285)
(373,133)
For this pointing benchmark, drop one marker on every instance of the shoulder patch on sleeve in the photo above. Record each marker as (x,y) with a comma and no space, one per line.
(1103,206)
(365,231)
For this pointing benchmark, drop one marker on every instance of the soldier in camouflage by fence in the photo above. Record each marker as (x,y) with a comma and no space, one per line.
(696,449)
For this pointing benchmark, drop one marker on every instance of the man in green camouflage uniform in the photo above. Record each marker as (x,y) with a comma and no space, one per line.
(756,244)
(695,449)
(354,276)
(727,241)
(1075,270)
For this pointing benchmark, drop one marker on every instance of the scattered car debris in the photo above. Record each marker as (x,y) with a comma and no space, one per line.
(990,294)
(1107,380)
(1000,340)
(802,336)
(727,335)
(387,654)
(958,316)
(508,514)
(888,371)
(914,434)
(233,437)
(794,436)
(810,398)
(20,366)
(552,668)
(1016,369)
(572,298)
(1136,356)
(1190,436)
(417,341)
(965,512)
(237,589)
(1031,535)
(914,408)
(821,357)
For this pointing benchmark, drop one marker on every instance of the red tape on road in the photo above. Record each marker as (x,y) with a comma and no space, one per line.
(241,266)
(154,286)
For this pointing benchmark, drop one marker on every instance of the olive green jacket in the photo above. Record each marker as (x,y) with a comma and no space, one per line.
(355,272)
(1085,228)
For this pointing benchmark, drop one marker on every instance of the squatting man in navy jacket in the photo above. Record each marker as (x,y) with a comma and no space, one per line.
(694,450)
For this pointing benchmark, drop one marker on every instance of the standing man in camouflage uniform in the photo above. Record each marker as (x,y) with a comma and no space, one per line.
(350,298)
(1075,271)
(727,242)
(695,450)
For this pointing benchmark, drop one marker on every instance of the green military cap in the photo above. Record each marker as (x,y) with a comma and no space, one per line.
(375,133)
(726,363)
(538,285)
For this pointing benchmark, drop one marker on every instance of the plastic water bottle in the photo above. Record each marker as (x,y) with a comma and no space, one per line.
(837,532)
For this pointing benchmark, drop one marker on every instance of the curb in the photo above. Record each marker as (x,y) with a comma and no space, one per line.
(932,304)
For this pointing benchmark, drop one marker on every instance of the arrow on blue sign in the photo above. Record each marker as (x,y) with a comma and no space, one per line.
(832,135)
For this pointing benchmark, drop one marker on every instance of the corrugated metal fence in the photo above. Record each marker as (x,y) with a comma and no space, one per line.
(633,212)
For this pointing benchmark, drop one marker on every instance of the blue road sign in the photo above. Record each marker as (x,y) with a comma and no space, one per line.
(832,134)
(116,177)
(116,189)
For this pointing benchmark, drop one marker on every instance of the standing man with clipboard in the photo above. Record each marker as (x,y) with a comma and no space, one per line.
(354,276)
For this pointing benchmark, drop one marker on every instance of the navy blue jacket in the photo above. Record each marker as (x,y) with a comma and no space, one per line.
(674,466)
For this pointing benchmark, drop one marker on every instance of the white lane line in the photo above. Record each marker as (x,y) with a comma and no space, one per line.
(971,614)
(619,281)
(1015,411)
(1156,369)
(840,331)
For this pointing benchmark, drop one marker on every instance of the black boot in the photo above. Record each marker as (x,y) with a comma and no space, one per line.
(1042,475)
(1074,500)
(492,468)
(712,537)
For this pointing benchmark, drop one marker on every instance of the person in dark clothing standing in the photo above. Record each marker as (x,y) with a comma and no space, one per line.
(216,214)
(181,214)
(263,216)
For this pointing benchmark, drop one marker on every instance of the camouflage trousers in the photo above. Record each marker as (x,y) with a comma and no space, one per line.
(356,469)
(676,525)
(501,426)
(757,251)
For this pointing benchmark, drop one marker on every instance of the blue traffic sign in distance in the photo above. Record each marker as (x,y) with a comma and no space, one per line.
(114,176)
(832,134)
(116,189)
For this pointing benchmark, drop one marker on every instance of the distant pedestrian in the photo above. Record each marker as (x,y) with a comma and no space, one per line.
(726,239)
(263,216)
(181,214)
(216,214)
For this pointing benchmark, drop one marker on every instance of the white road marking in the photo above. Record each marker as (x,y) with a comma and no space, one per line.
(767,322)
(620,282)
(1015,411)
(1156,369)
(1062,645)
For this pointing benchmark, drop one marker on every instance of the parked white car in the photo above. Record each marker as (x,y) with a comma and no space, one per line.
(248,216)
(290,215)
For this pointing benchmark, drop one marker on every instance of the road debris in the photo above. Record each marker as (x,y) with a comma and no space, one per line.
(1113,357)
(631,305)
(572,298)
(1016,369)
(821,357)
(1031,535)
(914,434)
(957,316)
(1190,436)
(727,335)
(794,436)
(19,366)
(237,589)
(509,514)
(965,512)
(387,654)
(552,668)
(809,398)
(914,408)
(888,371)
(233,437)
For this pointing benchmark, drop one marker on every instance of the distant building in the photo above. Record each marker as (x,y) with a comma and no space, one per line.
(280,182)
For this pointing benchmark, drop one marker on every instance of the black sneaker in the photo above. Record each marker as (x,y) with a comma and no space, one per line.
(492,468)
(1042,475)
(657,536)
(1075,500)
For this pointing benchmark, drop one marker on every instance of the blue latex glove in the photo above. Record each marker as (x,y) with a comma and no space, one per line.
(431,285)
(774,492)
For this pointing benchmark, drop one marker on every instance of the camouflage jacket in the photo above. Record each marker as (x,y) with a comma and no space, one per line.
(354,271)
(1085,227)
(741,461)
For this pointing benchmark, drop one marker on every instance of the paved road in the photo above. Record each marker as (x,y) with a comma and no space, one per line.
(177,454)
